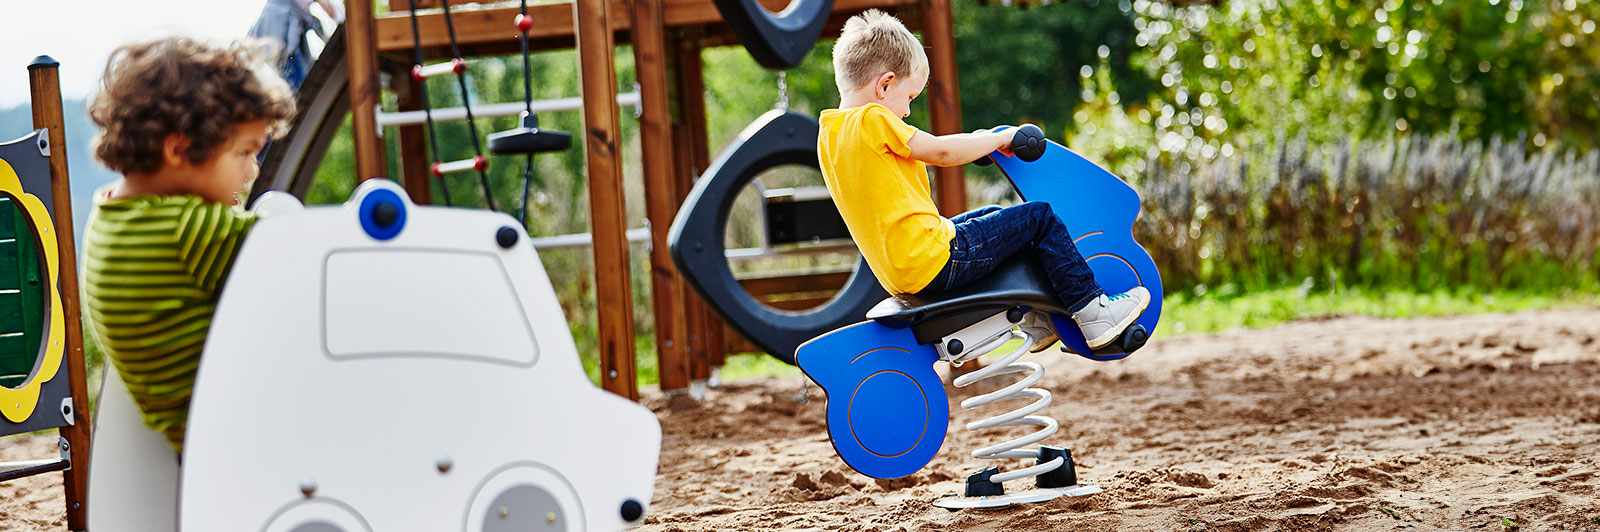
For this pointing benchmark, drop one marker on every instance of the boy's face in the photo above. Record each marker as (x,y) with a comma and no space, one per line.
(227,174)
(897,92)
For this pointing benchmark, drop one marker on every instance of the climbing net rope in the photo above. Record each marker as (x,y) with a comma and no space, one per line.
(523,25)
(457,65)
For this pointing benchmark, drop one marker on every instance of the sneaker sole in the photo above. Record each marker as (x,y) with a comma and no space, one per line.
(1114,332)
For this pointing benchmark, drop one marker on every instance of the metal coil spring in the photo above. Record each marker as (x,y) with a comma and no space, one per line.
(1022,416)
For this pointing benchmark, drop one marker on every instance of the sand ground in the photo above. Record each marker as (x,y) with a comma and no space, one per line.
(1475,423)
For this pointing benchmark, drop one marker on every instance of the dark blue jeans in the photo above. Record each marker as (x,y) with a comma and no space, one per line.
(988,236)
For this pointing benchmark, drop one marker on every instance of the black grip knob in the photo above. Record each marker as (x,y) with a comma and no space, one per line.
(1028,143)
(385,214)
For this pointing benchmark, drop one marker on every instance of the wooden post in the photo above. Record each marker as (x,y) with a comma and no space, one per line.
(44,84)
(660,191)
(413,142)
(607,215)
(361,50)
(703,326)
(944,100)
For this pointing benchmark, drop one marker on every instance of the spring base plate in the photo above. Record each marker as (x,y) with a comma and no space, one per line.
(955,501)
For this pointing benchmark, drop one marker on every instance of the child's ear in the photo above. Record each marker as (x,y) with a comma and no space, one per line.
(173,150)
(881,86)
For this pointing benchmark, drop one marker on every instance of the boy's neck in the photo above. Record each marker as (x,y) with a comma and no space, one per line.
(146,184)
(858,98)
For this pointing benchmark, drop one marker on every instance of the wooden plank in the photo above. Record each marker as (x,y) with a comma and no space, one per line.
(402,5)
(788,284)
(490,28)
(607,214)
(735,343)
(944,100)
(413,141)
(660,192)
(44,83)
(798,304)
(364,91)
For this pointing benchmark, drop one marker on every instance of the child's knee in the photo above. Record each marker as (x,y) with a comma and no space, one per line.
(1037,209)
(985,210)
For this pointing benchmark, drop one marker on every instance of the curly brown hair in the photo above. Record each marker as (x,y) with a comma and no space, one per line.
(156,88)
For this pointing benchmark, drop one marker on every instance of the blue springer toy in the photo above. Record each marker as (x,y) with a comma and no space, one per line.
(887,409)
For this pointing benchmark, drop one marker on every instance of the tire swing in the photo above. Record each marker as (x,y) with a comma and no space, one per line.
(777,138)
(776,40)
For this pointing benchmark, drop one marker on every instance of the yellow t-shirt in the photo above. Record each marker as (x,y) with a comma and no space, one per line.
(883,195)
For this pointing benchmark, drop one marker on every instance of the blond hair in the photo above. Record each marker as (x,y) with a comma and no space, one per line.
(872,43)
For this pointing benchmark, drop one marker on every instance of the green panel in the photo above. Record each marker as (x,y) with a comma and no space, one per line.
(11,312)
(15,364)
(8,228)
(9,265)
(21,296)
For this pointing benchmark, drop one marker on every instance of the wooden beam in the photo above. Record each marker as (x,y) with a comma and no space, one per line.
(364,91)
(490,30)
(660,192)
(607,214)
(413,142)
(692,157)
(944,100)
(402,5)
(790,284)
(44,87)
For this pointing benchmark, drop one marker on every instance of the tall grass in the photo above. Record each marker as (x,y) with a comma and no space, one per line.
(1423,213)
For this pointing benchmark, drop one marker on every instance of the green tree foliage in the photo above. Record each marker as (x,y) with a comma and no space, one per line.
(1025,64)
(1476,69)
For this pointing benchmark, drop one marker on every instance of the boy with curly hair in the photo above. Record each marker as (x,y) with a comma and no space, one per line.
(182,121)
(875,166)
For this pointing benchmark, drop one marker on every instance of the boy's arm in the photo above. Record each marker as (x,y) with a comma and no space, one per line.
(959,148)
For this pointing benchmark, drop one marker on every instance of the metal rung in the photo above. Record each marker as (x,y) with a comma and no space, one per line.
(479,163)
(15,470)
(421,72)
(407,118)
(826,246)
(575,240)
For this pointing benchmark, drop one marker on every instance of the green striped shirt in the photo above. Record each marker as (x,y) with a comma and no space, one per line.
(153,269)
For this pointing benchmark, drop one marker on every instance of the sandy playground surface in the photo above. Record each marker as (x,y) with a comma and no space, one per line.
(1476,423)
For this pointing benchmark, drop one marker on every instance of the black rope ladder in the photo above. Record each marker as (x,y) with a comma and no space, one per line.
(527,139)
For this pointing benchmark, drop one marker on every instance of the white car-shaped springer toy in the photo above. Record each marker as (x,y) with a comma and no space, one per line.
(380,366)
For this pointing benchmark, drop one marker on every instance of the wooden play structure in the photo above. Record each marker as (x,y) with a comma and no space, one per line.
(667,37)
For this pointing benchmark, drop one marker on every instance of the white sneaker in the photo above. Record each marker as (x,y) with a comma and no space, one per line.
(1037,325)
(1104,318)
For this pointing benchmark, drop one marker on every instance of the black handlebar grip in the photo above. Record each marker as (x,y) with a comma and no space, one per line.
(1028,143)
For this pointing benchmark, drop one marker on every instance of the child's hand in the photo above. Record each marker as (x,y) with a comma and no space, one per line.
(1003,138)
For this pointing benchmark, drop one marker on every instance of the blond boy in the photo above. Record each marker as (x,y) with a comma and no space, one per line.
(875,166)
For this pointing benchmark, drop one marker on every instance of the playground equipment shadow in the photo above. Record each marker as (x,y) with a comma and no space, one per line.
(1350,423)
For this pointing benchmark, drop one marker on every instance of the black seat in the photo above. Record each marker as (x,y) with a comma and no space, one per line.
(1018,282)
